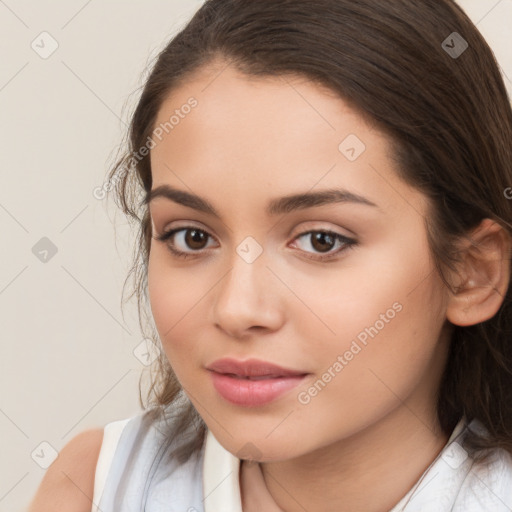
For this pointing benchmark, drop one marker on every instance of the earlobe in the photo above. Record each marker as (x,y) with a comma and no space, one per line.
(484,275)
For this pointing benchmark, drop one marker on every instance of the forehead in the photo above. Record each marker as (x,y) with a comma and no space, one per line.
(267,136)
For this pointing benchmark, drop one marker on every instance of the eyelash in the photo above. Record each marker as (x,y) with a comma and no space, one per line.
(349,242)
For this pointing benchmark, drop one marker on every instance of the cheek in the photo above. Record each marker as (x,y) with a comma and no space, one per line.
(175,299)
(383,317)
(359,382)
(163,293)
(388,347)
(376,299)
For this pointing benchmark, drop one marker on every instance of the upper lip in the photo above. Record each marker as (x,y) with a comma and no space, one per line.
(251,368)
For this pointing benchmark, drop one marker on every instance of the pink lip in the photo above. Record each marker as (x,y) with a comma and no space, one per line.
(236,381)
(251,368)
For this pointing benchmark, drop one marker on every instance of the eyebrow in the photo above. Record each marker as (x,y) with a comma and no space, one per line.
(277,206)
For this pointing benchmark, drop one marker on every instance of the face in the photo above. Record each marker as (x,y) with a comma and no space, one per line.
(343,292)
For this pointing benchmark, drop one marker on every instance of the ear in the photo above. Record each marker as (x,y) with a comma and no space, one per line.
(483,277)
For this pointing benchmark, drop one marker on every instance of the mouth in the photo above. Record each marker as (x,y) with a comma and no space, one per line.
(261,377)
(253,391)
(252,369)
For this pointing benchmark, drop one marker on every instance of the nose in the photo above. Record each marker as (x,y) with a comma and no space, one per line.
(248,299)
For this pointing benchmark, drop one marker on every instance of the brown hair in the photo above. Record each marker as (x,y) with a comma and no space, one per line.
(450,122)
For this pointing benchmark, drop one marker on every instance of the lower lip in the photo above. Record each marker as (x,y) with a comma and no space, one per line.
(252,393)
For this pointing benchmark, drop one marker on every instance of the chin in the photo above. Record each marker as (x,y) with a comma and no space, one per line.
(257,448)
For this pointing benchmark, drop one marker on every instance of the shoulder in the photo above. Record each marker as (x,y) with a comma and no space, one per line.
(495,472)
(489,481)
(69,482)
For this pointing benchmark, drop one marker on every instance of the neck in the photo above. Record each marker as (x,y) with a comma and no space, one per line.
(372,470)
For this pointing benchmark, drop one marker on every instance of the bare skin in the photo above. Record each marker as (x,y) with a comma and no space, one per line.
(68,484)
(363,440)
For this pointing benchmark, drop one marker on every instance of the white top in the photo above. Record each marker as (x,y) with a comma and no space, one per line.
(111,434)
(132,474)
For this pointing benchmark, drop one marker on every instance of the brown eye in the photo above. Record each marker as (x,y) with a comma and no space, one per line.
(195,239)
(322,241)
(185,242)
(322,244)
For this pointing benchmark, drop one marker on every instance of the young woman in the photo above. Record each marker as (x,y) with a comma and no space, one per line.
(322,188)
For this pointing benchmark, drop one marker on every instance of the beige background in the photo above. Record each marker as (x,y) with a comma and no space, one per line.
(67,355)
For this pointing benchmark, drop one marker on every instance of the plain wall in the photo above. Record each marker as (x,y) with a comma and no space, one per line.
(67,355)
